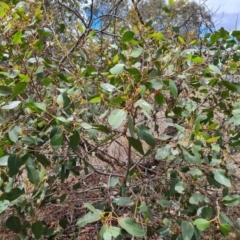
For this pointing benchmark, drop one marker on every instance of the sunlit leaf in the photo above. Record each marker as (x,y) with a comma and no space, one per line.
(221,177)
(117,117)
(131,226)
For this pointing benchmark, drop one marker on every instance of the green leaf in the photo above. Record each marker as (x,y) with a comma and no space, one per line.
(143,104)
(14,163)
(173,89)
(96,100)
(156,84)
(231,200)
(74,140)
(4,161)
(4,205)
(230,86)
(225,229)
(163,152)
(4,5)
(33,174)
(5,91)
(114,231)
(101,128)
(136,52)
(196,198)
(159,98)
(113,181)
(117,69)
(165,203)
(180,187)
(224,219)
(116,117)
(92,208)
(108,87)
(36,107)
(202,224)
(13,194)
(187,156)
(14,224)
(62,121)
(214,69)
(131,127)
(221,177)
(13,134)
(127,36)
(11,105)
(187,230)
(87,218)
(56,140)
(136,144)
(145,135)
(17,37)
(42,159)
(131,226)
(90,217)
(19,88)
(37,229)
(145,209)
(123,201)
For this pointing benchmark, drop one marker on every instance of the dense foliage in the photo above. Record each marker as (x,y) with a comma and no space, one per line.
(153,116)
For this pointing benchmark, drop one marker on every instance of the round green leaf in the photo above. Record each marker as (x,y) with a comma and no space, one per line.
(180,187)
(131,226)
(127,36)
(116,117)
(37,229)
(163,152)
(117,69)
(136,52)
(187,230)
(14,224)
(202,224)
(159,98)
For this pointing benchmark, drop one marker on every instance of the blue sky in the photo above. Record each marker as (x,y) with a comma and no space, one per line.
(227,15)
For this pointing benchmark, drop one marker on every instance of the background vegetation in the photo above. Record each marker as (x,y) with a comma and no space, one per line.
(115,125)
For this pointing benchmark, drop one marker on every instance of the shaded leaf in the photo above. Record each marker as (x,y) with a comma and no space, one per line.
(14,163)
(145,135)
(14,224)
(74,140)
(136,144)
(37,229)
(33,174)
